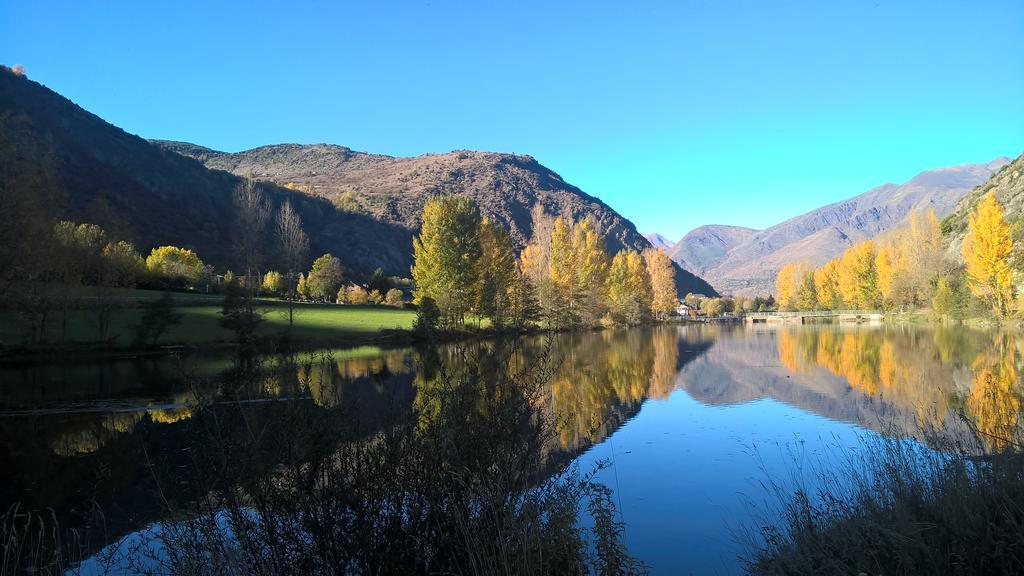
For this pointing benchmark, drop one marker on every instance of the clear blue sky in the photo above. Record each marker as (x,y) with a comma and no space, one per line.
(675,113)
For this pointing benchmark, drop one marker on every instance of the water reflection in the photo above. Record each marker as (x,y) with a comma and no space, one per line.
(88,418)
(935,375)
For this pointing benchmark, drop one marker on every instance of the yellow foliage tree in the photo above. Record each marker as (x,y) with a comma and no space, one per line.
(986,252)
(629,288)
(663,282)
(786,286)
(826,286)
(858,279)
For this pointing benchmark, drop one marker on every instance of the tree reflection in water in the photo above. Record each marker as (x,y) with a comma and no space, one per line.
(932,374)
(469,479)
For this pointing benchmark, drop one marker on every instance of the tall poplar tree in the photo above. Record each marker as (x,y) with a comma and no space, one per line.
(591,273)
(858,279)
(562,265)
(496,272)
(445,256)
(663,282)
(629,288)
(986,252)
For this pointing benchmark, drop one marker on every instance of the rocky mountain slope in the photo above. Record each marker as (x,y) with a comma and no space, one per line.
(659,241)
(705,247)
(362,207)
(1008,186)
(749,267)
(393,189)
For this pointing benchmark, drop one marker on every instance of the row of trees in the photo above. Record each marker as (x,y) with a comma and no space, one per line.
(895,272)
(466,264)
(908,269)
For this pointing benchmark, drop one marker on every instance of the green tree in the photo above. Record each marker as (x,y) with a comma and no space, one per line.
(238,314)
(445,256)
(324,277)
(379,282)
(949,301)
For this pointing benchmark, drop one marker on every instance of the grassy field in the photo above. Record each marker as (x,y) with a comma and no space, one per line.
(199,321)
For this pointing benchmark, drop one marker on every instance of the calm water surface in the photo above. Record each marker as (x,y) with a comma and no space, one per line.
(689,419)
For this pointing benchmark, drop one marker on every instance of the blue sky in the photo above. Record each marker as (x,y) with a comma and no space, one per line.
(675,113)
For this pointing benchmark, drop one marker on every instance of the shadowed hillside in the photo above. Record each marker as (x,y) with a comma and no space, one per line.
(394,190)
(364,208)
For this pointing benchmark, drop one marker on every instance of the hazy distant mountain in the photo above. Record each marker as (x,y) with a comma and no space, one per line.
(703,248)
(659,241)
(362,207)
(393,190)
(749,266)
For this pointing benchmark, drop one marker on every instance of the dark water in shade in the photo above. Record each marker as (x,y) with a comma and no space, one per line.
(689,419)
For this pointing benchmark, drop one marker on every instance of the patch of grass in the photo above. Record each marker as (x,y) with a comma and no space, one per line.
(199,323)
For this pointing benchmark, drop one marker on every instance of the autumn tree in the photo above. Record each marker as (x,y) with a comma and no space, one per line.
(629,288)
(495,273)
(562,265)
(174,264)
(394,297)
(806,294)
(858,279)
(591,274)
(294,246)
(357,295)
(252,212)
(663,282)
(786,286)
(523,307)
(986,252)
(949,301)
(826,286)
(324,277)
(445,256)
(273,282)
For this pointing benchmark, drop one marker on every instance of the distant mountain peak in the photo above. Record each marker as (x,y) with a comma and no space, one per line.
(744,261)
(659,241)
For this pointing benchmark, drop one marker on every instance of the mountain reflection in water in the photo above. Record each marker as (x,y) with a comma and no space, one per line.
(95,431)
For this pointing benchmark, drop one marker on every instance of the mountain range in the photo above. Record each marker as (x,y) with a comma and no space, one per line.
(364,208)
(739,260)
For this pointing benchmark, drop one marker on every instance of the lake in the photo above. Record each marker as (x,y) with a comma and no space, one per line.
(685,424)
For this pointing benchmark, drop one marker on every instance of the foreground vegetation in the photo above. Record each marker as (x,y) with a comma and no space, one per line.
(899,509)
(467,477)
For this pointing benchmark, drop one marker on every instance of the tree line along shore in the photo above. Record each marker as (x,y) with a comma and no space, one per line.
(911,269)
(78,285)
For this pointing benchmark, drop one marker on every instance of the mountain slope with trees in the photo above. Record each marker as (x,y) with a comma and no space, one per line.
(66,163)
(750,267)
(1008,186)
